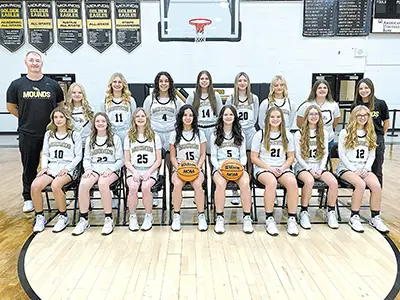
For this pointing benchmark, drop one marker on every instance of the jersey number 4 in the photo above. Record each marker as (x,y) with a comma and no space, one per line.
(164,117)
(142,159)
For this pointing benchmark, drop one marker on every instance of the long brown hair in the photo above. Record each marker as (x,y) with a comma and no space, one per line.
(371,98)
(133,131)
(52,128)
(126,93)
(236,90)
(282,129)
(69,103)
(351,140)
(305,135)
(210,91)
(93,134)
(313,92)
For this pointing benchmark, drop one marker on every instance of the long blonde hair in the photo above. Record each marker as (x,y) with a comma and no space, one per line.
(126,93)
(93,134)
(69,103)
(148,132)
(271,95)
(305,135)
(249,95)
(52,128)
(282,129)
(351,140)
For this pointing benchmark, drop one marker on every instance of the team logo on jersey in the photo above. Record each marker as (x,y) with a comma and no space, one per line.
(119,107)
(102,151)
(275,143)
(36,94)
(244,106)
(163,110)
(205,102)
(375,114)
(60,144)
(326,116)
(228,144)
(189,146)
(362,143)
(142,148)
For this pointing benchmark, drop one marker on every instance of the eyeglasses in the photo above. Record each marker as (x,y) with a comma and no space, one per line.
(362,116)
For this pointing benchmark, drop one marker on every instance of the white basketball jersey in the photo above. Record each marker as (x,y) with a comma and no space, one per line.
(61,150)
(119,114)
(80,124)
(189,147)
(228,150)
(143,154)
(206,113)
(286,109)
(246,114)
(103,154)
(359,155)
(163,115)
(276,156)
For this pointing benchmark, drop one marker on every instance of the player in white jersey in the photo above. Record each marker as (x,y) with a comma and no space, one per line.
(357,146)
(207,103)
(278,97)
(321,95)
(142,149)
(272,153)
(119,105)
(82,114)
(187,142)
(312,154)
(229,142)
(62,152)
(102,163)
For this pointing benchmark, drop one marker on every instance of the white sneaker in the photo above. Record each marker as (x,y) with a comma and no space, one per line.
(67,202)
(219,225)
(236,197)
(40,222)
(378,224)
(114,203)
(202,226)
(291,226)
(80,228)
(247,224)
(133,223)
(108,226)
(270,226)
(330,217)
(147,222)
(155,202)
(305,220)
(28,206)
(355,223)
(176,222)
(61,224)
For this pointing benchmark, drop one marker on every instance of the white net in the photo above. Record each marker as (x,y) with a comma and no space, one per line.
(199,27)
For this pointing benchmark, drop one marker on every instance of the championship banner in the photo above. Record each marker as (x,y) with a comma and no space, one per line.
(69,24)
(40,24)
(11,26)
(127,24)
(98,23)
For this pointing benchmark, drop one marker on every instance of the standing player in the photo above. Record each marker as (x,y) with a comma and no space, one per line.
(31,99)
(187,142)
(357,146)
(82,114)
(365,95)
(142,149)
(311,155)
(162,107)
(272,153)
(278,97)
(229,143)
(102,162)
(247,105)
(62,152)
(321,95)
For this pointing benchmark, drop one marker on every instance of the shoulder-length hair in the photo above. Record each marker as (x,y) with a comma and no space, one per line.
(371,98)
(171,89)
(93,134)
(282,129)
(126,93)
(148,131)
(69,103)
(52,128)
(305,135)
(210,92)
(179,123)
(249,95)
(271,95)
(351,140)
(236,127)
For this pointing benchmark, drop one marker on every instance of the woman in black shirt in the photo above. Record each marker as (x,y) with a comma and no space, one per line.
(365,95)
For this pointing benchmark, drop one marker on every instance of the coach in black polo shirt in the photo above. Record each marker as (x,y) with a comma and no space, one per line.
(31,99)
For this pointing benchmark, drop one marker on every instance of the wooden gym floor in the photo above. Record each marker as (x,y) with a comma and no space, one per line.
(160,264)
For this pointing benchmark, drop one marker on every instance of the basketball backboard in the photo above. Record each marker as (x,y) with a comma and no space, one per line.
(175,15)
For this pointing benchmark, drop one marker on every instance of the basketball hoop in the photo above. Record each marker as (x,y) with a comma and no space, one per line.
(200,24)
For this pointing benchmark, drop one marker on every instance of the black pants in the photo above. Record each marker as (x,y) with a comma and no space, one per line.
(30,148)
(379,157)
